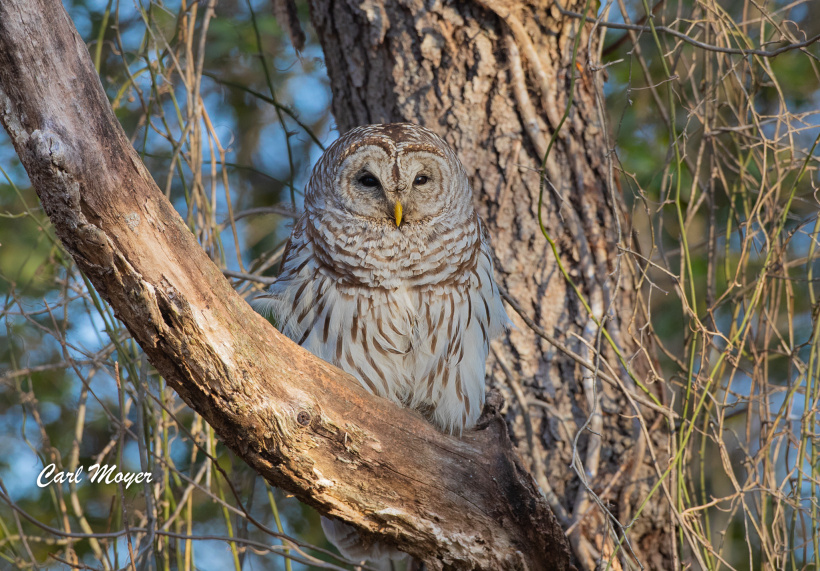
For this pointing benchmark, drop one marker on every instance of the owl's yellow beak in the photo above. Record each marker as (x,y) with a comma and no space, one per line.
(398,213)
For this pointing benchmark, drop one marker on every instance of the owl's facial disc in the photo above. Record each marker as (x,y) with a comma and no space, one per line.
(396,186)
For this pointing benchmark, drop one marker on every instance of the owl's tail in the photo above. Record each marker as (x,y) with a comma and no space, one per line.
(356,548)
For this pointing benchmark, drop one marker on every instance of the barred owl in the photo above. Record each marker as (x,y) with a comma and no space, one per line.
(388,274)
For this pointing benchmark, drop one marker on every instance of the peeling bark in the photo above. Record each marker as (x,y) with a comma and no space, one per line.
(492,78)
(455,503)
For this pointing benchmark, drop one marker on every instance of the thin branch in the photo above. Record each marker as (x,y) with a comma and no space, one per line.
(694,42)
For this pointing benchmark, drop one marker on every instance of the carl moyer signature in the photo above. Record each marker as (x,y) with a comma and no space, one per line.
(99,474)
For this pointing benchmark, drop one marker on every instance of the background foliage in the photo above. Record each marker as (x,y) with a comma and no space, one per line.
(717,161)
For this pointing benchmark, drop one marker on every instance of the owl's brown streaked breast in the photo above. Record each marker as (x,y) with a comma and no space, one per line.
(369,256)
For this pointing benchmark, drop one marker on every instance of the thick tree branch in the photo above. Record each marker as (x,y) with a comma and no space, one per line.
(305,426)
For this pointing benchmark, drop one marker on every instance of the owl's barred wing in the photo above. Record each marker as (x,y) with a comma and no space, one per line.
(285,298)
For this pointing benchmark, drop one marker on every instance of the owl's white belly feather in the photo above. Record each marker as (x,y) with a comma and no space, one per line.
(421,345)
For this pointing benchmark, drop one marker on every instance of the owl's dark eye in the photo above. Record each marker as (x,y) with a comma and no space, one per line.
(368,180)
(420,180)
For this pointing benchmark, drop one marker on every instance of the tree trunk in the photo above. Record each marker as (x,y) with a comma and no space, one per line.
(492,78)
(301,423)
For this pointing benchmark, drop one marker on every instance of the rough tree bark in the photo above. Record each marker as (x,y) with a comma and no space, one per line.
(492,78)
(304,425)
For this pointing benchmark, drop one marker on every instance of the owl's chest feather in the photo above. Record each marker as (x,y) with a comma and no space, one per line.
(412,326)
(382,256)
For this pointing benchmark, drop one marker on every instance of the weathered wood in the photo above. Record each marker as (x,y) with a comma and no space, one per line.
(461,503)
(492,77)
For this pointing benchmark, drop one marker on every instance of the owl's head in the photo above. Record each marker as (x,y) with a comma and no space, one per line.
(394,174)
